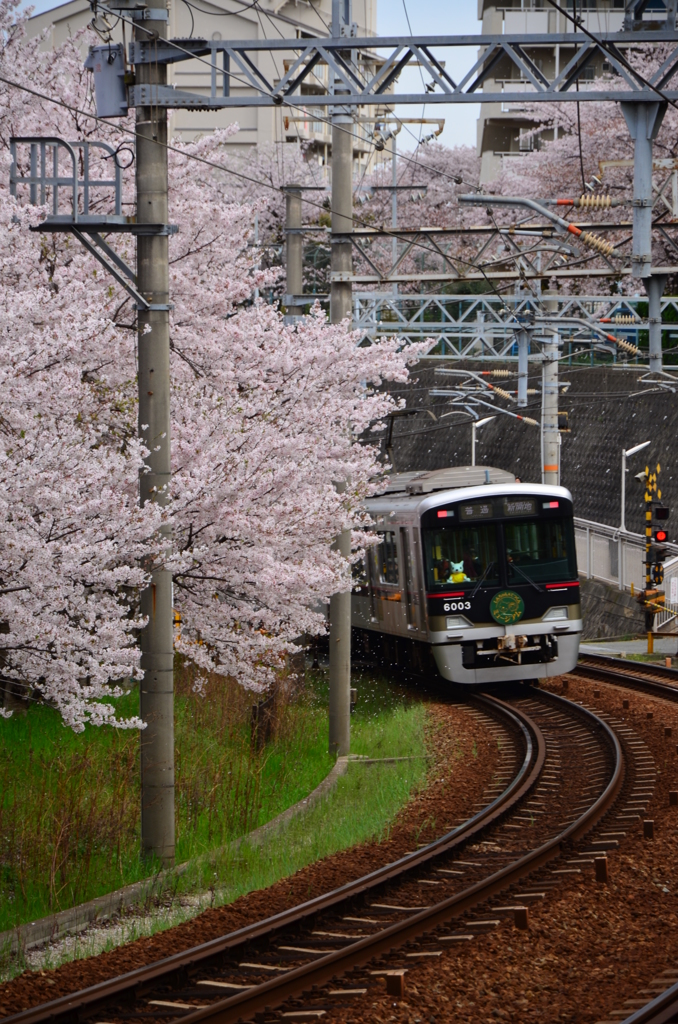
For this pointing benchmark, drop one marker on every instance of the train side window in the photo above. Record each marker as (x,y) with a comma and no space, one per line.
(387,558)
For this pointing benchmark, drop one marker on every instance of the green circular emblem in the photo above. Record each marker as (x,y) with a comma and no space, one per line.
(507,607)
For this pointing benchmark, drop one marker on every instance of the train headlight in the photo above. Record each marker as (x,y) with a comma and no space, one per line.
(555,613)
(458,622)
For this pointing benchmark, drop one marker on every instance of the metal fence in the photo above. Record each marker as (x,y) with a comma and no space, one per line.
(617,558)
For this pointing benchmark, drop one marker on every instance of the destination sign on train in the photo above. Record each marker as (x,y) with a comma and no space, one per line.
(520,507)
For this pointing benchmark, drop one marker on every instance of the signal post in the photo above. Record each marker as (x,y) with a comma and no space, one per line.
(656,537)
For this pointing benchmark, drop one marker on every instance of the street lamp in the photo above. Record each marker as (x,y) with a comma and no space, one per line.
(474,426)
(625,454)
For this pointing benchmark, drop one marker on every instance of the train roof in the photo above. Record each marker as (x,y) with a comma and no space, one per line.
(451,478)
(416,492)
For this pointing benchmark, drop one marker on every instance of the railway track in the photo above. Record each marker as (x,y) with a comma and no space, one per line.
(656,680)
(561,773)
(661,996)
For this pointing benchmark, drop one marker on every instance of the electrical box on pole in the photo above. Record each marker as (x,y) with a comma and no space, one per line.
(107,64)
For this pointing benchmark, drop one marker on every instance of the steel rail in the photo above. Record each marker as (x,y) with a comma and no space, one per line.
(664,1007)
(659,1011)
(76,1005)
(293,982)
(277,990)
(632,677)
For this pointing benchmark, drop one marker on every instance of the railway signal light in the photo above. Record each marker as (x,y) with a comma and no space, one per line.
(661,536)
(657,574)
(657,553)
(662,513)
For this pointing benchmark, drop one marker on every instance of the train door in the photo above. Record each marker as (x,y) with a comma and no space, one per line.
(419,588)
(409,579)
(372,577)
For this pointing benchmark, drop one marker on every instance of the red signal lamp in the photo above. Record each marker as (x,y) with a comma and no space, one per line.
(661,536)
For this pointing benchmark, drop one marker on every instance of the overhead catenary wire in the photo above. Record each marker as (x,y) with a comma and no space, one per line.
(456,178)
(227,170)
(391,233)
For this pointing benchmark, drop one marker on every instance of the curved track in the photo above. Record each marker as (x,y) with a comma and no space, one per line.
(563,773)
(656,681)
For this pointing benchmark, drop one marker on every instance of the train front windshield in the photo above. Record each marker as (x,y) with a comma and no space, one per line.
(540,550)
(461,554)
(528,551)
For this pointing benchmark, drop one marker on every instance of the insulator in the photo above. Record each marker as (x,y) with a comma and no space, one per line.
(594,202)
(626,346)
(501,373)
(621,318)
(532,391)
(597,243)
(528,419)
(504,394)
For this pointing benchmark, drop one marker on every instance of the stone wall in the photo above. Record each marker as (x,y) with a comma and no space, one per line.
(609,612)
(609,408)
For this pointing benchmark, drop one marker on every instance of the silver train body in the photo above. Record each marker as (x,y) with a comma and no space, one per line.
(474,571)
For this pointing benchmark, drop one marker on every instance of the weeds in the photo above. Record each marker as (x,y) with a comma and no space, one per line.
(69,819)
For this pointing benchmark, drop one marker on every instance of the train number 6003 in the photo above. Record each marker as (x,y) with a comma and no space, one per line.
(457,606)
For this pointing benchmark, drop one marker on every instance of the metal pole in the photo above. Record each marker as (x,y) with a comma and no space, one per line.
(294,242)
(473,443)
(549,421)
(394,207)
(643,121)
(623,492)
(654,286)
(523,342)
(340,308)
(157,639)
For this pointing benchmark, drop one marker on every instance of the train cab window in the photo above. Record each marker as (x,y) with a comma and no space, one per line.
(386,556)
(540,550)
(461,555)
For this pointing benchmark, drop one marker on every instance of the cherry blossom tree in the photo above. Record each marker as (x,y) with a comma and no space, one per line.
(266,417)
(437,174)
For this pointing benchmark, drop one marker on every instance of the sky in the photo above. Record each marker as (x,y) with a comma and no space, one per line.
(426,17)
(435,18)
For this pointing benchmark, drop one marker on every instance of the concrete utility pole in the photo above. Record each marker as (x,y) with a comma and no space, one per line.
(157,639)
(340,308)
(294,241)
(550,438)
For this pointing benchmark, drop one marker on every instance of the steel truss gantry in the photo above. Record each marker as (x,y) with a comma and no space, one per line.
(521,251)
(486,327)
(365,76)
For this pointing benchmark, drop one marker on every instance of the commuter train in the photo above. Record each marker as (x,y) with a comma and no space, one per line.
(474,570)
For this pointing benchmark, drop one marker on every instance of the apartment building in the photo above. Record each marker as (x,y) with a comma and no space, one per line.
(239,19)
(503,127)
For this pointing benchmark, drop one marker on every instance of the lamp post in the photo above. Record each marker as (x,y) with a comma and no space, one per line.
(474,426)
(626,452)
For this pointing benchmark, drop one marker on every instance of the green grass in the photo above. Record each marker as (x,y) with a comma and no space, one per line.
(69,828)
(650,658)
